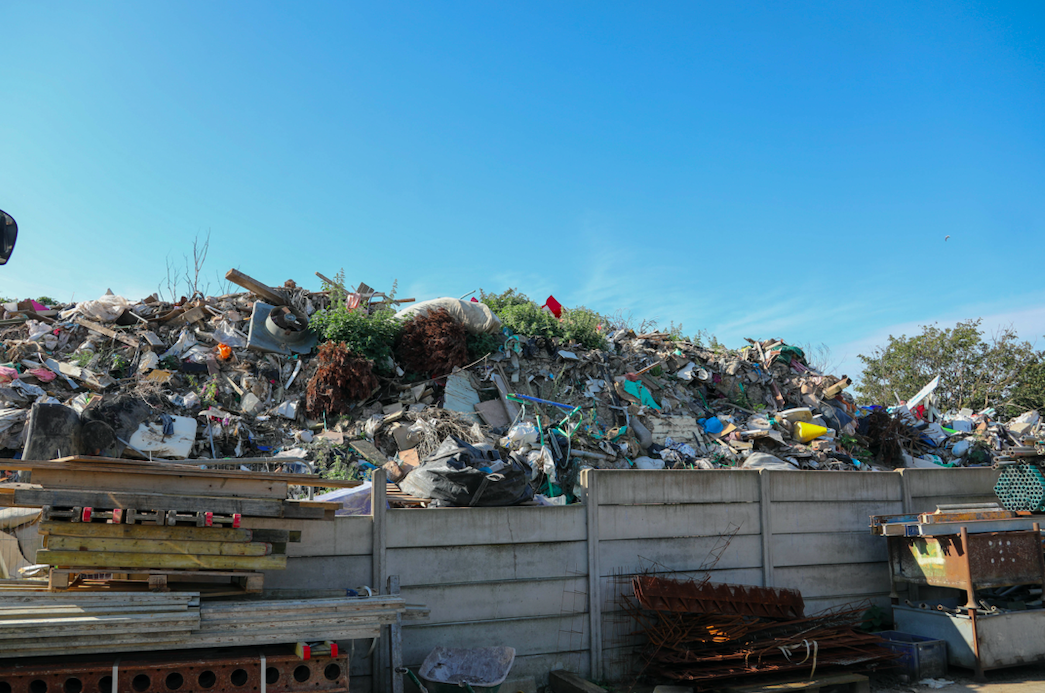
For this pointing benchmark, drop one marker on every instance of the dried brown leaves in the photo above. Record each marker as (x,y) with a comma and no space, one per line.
(433,344)
(340,380)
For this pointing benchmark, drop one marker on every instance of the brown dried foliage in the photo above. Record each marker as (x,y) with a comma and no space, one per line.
(433,344)
(340,380)
(889,437)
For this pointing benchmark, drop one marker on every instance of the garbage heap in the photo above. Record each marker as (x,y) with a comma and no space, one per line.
(442,396)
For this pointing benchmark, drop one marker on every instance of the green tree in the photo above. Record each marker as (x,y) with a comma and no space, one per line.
(1000,371)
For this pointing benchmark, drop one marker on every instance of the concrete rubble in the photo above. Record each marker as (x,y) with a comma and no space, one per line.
(238,377)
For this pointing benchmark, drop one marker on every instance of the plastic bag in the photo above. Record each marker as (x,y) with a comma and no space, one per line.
(37,329)
(476,317)
(186,340)
(524,433)
(452,475)
(227,334)
(105,309)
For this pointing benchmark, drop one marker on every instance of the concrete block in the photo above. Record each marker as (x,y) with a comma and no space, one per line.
(562,681)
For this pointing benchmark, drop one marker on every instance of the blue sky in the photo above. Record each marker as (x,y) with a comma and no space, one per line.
(756,170)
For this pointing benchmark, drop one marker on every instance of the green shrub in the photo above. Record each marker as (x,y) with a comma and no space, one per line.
(499,302)
(581,325)
(479,345)
(529,320)
(369,336)
(524,317)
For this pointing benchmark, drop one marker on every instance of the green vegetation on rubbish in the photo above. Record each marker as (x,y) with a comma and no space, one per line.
(371,336)
(524,317)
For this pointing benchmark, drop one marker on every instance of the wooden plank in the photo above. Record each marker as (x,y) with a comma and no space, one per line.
(167,468)
(252,285)
(368,452)
(102,329)
(67,498)
(154,532)
(146,483)
(91,625)
(68,611)
(638,487)
(105,559)
(203,548)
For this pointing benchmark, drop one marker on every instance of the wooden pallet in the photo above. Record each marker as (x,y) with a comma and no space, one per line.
(155,580)
(835,683)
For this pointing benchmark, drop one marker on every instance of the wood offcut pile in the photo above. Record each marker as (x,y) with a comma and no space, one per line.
(139,556)
(123,521)
(40,623)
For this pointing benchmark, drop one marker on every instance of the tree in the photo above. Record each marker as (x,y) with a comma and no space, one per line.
(1001,371)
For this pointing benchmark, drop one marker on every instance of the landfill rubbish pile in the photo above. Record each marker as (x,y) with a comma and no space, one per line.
(707,634)
(453,405)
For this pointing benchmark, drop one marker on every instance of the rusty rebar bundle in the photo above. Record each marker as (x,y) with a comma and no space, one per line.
(702,632)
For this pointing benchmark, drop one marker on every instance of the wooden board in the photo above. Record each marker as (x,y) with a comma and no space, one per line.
(101,500)
(146,483)
(105,531)
(201,548)
(167,468)
(114,561)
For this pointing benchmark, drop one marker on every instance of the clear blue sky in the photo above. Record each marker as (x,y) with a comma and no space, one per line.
(757,170)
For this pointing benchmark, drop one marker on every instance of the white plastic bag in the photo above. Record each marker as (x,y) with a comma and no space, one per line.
(476,317)
(226,334)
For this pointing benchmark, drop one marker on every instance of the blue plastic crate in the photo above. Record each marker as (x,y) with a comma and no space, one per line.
(920,657)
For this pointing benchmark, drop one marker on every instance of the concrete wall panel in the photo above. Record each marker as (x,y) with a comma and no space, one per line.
(818,548)
(639,487)
(478,526)
(501,600)
(455,564)
(829,516)
(833,486)
(660,521)
(687,553)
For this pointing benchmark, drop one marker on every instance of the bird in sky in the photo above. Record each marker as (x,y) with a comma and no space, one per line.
(945,238)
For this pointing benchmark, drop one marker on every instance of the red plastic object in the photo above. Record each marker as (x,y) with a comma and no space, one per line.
(235,520)
(208,519)
(85,516)
(224,351)
(554,306)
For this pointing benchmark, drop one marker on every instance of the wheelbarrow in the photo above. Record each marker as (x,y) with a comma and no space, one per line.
(477,670)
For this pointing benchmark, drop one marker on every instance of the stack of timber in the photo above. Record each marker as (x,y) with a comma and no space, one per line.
(159,523)
(46,623)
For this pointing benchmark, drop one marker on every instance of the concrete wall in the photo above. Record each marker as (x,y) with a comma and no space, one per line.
(550,581)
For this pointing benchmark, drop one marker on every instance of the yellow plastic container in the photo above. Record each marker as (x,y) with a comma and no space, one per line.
(805,432)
